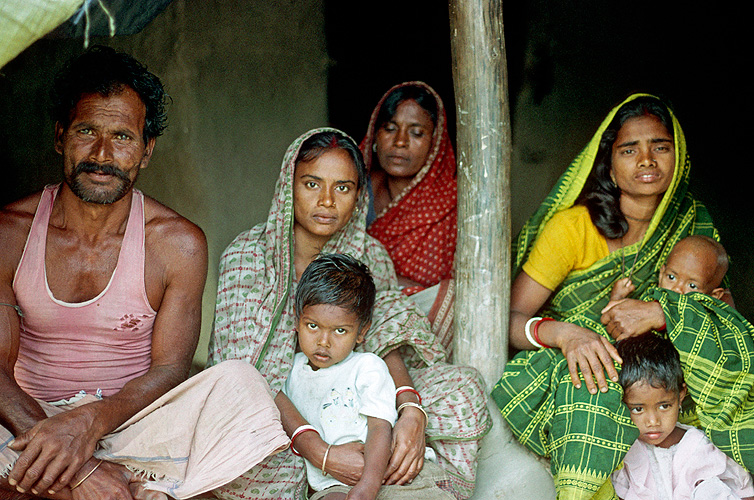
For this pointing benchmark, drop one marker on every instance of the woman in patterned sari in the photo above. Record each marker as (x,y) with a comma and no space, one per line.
(320,206)
(412,169)
(616,212)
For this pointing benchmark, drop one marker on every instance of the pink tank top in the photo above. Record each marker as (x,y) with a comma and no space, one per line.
(95,345)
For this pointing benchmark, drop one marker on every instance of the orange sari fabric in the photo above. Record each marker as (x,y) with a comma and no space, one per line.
(418,228)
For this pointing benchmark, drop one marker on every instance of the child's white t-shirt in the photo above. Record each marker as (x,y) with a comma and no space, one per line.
(337,401)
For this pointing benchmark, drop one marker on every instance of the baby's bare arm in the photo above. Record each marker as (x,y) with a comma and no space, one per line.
(622,289)
(376,456)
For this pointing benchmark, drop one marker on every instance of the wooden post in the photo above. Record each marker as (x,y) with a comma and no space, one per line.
(484,221)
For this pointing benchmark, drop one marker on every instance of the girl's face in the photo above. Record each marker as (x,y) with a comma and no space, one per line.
(654,410)
(643,157)
(404,141)
(325,193)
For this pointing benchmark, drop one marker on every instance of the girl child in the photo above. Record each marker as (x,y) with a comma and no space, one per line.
(669,460)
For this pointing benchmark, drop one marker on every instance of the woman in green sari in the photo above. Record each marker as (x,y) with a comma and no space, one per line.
(616,212)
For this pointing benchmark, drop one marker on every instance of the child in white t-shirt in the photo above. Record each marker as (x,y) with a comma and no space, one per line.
(669,461)
(345,396)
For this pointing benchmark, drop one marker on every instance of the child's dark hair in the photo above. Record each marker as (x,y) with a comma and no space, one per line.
(338,280)
(650,358)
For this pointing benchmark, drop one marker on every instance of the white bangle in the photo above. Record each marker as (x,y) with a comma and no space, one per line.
(418,407)
(529,336)
(300,430)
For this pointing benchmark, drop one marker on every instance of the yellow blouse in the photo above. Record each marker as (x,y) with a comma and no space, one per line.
(568,242)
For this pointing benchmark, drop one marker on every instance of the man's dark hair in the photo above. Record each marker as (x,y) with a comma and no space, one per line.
(650,358)
(102,70)
(337,280)
(600,195)
(321,142)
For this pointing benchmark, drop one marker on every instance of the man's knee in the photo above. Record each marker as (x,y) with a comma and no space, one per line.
(237,373)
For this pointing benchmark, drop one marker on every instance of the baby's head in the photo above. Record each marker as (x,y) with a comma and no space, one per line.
(696,264)
(334,301)
(653,387)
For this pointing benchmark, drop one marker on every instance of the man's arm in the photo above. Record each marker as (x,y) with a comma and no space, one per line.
(55,449)
(18,411)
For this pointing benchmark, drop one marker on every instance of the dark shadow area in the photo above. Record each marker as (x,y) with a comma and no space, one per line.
(590,54)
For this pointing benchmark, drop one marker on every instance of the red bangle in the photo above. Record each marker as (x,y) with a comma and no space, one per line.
(536,332)
(406,388)
(297,433)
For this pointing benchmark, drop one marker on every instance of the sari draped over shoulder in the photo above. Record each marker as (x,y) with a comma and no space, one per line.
(584,435)
(418,228)
(255,321)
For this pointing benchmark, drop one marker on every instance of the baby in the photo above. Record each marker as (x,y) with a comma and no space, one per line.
(696,264)
(669,460)
(345,396)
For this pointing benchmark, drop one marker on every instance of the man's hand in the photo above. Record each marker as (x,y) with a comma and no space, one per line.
(109,482)
(630,317)
(54,450)
(408,446)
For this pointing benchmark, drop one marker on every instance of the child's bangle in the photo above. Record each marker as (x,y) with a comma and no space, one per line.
(536,332)
(324,460)
(296,434)
(417,406)
(527,331)
(406,388)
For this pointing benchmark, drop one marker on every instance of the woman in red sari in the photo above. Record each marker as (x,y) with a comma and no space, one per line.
(412,170)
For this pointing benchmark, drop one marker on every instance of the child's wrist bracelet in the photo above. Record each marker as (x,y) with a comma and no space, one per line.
(418,407)
(299,431)
(406,388)
(324,459)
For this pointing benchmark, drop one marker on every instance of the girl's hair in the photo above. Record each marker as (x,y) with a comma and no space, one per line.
(314,146)
(337,280)
(650,358)
(600,195)
(421,95)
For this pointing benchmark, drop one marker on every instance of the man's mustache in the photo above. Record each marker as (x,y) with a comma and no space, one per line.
(91,167)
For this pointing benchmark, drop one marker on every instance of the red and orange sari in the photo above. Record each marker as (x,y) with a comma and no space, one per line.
(418,227)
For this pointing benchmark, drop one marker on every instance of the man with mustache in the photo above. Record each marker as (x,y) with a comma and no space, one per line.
(100,305)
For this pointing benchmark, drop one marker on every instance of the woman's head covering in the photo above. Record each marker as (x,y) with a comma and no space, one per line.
(419,226)
(254,314)
(677,215)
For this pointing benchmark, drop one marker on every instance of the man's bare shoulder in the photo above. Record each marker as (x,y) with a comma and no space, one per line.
(167,231)
(27,205)
(15,223)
